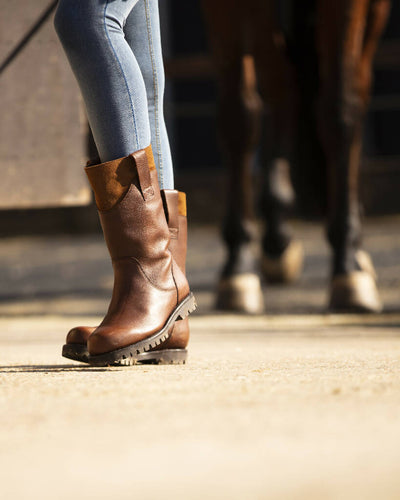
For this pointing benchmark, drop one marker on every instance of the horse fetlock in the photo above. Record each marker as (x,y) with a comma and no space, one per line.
(238,231)
(242,259)
(286,267)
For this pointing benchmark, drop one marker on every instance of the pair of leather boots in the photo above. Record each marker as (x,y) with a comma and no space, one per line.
(146,232)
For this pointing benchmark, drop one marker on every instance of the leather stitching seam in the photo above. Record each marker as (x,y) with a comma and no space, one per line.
(176,286)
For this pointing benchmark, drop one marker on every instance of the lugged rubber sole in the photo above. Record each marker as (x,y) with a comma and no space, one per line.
(163,357)
(77,352)
(130,355)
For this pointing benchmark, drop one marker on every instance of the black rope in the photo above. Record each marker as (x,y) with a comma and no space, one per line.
(35,28)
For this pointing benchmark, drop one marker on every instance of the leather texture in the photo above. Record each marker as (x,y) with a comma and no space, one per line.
(175,212)
(148,284)
(111,181)
(79,335)
(174,203)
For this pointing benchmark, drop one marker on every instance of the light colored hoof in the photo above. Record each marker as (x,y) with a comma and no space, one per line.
(241,293)
(355,292)
(287,267)
(365,262)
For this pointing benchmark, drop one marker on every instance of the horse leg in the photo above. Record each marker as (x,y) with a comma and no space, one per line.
(282,256)
(348,32)
(239,111)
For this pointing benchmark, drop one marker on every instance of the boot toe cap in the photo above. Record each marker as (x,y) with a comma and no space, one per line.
(105,340)
(79,334)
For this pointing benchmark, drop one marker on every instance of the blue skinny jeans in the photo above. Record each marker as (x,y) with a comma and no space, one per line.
(114,49)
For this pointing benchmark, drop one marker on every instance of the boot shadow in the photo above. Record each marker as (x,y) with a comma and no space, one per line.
(50,368)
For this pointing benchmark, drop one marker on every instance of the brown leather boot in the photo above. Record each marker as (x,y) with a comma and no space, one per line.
(174,349)
(150,291)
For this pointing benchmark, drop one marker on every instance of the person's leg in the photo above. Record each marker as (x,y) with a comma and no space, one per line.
(91,32)
(142,32)
(150,290)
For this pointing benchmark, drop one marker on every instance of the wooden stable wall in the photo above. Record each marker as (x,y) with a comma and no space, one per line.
(42,128)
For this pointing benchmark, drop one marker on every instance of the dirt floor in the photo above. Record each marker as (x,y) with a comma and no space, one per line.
(292,404)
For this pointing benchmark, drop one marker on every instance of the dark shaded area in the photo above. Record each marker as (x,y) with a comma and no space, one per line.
(49,369)
(191,111)
(194,111)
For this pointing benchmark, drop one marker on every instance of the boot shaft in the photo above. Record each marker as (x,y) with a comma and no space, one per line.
(150,291)
(130,207)
(175,213)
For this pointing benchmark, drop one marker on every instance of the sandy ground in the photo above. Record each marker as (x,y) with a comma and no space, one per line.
(293,404)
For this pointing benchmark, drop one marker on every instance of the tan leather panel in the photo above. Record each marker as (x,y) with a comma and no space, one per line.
(150,158)
(110,181)
(182,204)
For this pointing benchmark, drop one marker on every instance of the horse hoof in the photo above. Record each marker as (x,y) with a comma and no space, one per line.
(365,262)
(355,292)
(241,293)
(287,267)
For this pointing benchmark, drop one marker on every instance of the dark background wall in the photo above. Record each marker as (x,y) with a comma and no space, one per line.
(191,115)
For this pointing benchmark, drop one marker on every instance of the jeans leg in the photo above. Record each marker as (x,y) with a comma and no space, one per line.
(112,85)
(142,32)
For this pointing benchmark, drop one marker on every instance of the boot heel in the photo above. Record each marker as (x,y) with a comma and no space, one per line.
(187,308)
